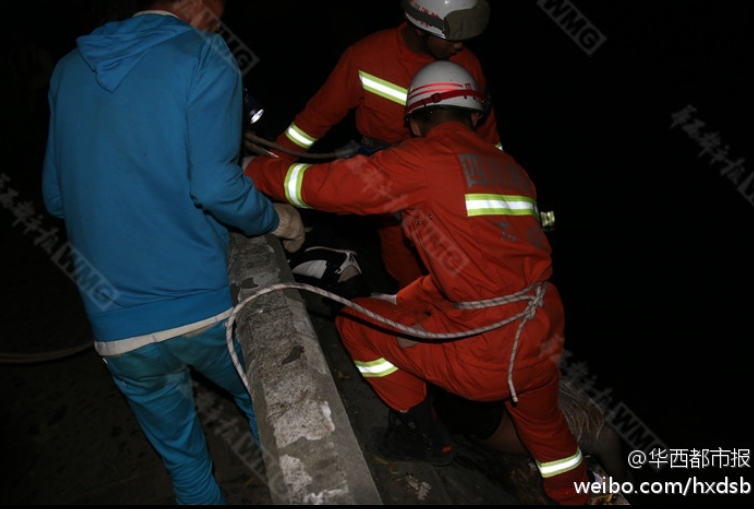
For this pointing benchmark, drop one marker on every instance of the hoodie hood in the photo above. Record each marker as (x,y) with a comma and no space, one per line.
(112,50)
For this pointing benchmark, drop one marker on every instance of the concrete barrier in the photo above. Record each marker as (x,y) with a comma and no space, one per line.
(310,451)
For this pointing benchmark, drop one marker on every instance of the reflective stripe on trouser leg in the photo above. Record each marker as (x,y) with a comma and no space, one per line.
(561,477)
(376,369)
(370,347)
(544,431)
(557,467)
(398,389)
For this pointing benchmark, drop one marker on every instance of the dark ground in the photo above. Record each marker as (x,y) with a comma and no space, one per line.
(653,249)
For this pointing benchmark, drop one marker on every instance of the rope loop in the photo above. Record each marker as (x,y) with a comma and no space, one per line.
(535,301)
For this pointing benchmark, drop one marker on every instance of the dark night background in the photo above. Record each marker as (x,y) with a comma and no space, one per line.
(653,250)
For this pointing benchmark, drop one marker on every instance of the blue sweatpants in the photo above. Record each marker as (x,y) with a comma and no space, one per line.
(156,381)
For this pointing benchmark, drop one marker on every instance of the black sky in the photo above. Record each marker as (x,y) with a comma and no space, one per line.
(653,251)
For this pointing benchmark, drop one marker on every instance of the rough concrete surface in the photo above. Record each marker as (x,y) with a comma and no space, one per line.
(308,444)
(68,436)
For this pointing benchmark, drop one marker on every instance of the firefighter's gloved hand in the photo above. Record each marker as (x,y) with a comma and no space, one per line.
(291,229)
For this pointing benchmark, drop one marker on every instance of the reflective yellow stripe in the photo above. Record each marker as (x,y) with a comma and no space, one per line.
(500,204)
(377,368)
(383,88)
(293,181)
(500,146)
(557,467)
(299,137)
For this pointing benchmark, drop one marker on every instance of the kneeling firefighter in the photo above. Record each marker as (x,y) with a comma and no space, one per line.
(471,211)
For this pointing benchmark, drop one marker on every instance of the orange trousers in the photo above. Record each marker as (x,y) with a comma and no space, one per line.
(538,419)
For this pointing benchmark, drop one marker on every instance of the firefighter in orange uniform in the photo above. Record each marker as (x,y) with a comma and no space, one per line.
(471,211)
(372,77)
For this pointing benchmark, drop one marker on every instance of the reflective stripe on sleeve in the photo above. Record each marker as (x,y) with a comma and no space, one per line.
(377,368)
(500,205)
(557,467)
(293,182)
(299,137)
(383,88)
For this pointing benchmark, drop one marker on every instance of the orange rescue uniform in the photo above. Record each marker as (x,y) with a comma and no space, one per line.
(470,210)
(372,78)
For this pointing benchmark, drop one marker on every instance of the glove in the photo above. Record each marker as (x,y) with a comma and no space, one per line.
(290,229)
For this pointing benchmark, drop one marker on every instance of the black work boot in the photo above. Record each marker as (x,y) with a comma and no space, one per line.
(416,435)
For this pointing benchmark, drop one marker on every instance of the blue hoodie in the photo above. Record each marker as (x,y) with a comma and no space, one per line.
(142,165)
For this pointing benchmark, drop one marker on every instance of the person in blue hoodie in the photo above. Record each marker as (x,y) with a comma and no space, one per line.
(142,164)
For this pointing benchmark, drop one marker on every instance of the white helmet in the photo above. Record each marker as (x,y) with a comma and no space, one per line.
(444,83)
(454,20)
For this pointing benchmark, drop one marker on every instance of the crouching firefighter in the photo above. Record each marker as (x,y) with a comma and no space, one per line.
(471,211)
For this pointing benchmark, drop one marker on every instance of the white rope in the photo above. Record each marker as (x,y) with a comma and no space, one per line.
(527,314)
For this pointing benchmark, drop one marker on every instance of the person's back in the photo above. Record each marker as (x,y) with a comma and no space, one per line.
(471,212)
(463,186)
(142,164)
(127,104)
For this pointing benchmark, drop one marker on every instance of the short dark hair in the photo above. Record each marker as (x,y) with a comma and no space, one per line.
(144,5)
(442,113)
